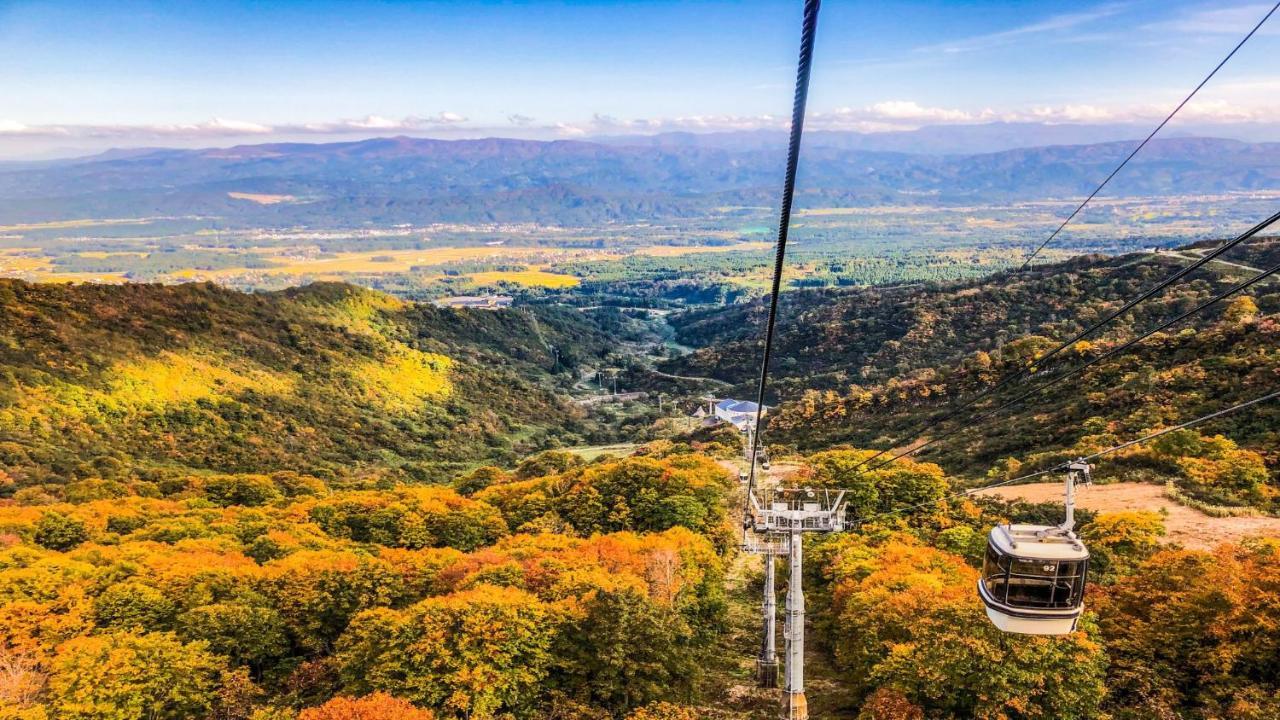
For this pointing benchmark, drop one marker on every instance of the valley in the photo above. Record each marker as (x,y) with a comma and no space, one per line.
(424,218)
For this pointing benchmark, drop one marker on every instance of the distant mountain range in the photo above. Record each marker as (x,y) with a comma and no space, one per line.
(954,139)
(415,180)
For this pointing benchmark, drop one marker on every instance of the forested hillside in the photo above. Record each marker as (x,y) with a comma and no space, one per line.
(276,506)
(564,590)
(829,338)
(145,383)
(237,597)
(872,367)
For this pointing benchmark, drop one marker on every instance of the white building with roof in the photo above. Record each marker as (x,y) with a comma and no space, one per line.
(742,413)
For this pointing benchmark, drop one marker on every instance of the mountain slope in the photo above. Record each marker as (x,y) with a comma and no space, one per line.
(328,379)
(869,367)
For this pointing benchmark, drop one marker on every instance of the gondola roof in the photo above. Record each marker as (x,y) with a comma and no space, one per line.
(1024,541)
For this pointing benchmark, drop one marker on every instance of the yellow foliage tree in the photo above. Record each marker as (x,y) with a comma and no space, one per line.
(471,654)
(664,711)
(1241,309)
(126,676)
(907,618)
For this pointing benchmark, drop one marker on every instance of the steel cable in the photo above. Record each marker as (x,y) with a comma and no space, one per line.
(1143,144)
(807,36)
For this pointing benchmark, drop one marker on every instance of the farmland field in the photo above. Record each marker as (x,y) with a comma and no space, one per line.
(728,249)
(531,278)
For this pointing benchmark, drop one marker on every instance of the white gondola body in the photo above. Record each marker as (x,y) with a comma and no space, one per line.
(1033,579)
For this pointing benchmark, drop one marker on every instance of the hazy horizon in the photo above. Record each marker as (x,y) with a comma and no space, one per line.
(995,136)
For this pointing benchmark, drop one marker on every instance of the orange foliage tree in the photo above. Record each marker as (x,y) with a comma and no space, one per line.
(377,706)
(906,617)
(1196,632)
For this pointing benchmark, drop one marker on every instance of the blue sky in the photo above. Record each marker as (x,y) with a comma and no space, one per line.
(131,73)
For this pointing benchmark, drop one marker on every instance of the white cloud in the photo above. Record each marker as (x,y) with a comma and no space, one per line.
(1233,103)
(1057,24)
(12,128)
(891,115)
(898,114)
(1223,111)
(1073,114)
(911,110)
(601,124)
(233,127)
(374,122)
(1229,20)
(229,128)
(215,128)
(569,130)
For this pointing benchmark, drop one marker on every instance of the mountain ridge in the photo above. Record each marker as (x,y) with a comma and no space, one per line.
(576,182)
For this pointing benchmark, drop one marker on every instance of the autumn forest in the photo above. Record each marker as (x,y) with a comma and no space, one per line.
(329,504)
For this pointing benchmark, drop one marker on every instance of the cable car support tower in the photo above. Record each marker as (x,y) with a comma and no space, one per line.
(776,527)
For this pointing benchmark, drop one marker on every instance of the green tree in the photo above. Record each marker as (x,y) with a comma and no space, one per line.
(250,490)
(133,605)
(957,665)
(625,652)
(59,532)
(870,489)
(551,462)
(479,479)
(318,592)
(243,633)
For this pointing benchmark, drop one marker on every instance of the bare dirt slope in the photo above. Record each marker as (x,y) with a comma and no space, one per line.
(1187,527)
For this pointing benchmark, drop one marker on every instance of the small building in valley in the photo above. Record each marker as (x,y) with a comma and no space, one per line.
(741,413)
(479,302)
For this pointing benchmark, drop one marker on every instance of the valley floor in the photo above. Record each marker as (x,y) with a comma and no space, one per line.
(1185,526)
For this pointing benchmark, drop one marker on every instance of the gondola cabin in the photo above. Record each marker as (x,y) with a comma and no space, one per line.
(1033,579)
(1033,575)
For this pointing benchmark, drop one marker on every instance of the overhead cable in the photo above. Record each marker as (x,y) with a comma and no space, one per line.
(1031,366)
(808,31)
(969,423)
(1143,144)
